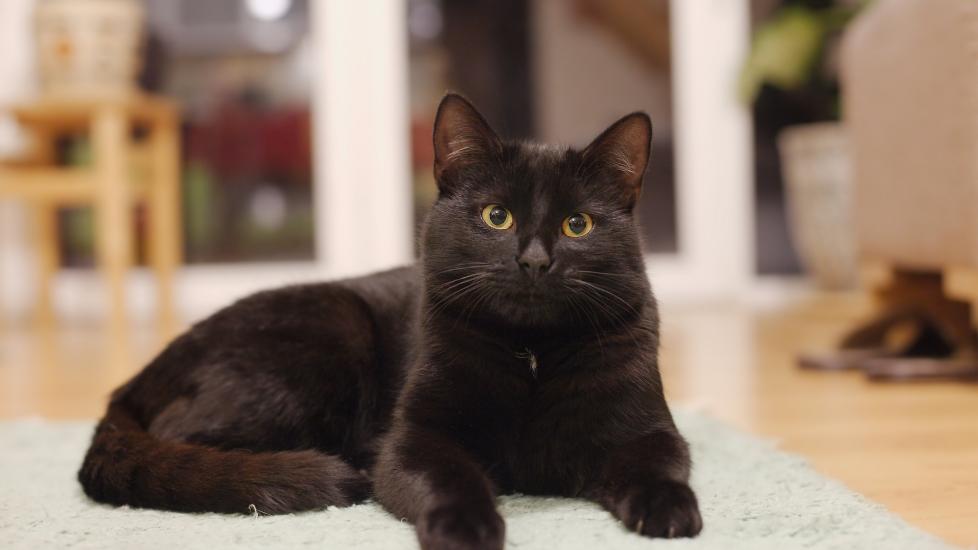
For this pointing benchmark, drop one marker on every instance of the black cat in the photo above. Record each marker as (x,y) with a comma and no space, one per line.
(520,355)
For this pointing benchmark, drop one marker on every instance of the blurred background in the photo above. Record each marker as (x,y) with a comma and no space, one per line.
(258,176)
(810,205)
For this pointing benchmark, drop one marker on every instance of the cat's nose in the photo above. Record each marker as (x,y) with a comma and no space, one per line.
(534,261)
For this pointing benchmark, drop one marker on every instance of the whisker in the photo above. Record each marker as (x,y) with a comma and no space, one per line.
(464,266)
(603,273)
(587,312)
(455,290)
(606,291)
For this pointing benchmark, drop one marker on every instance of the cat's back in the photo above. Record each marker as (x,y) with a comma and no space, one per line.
(391,284)
(392,295)
(376,312)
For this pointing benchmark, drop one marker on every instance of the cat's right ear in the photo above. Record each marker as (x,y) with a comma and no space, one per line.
(462,136)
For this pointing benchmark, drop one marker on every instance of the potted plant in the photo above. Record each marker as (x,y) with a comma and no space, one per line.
(791,79)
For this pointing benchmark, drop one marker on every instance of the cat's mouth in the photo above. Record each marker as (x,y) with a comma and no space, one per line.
(533,294)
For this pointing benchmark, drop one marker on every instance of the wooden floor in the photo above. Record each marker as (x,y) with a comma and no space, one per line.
(912,447)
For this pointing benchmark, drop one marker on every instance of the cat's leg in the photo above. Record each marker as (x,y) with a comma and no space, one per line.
(428,479)
(645,484)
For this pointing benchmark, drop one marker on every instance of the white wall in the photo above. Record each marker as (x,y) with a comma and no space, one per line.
(17,81)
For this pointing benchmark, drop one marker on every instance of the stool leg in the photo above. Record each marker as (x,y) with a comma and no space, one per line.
(44,231)
(44,235)
(164,212)
(113,206)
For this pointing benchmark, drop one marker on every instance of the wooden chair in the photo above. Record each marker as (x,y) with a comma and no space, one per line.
(107,185)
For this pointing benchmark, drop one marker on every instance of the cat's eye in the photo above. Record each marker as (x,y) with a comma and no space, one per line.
(577,225)
(497,217)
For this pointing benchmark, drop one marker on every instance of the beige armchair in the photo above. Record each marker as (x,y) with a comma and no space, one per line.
(910,72)
(910,101)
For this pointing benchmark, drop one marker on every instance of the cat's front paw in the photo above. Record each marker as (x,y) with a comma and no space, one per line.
(461,528)
(665,509)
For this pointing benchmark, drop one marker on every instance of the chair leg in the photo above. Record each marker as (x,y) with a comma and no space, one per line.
(44,235)
(164,211)
(113,206)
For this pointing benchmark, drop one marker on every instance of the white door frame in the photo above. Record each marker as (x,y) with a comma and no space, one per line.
(714,170)
(361,168)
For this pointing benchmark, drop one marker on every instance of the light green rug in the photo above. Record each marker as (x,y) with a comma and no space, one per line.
(752,497)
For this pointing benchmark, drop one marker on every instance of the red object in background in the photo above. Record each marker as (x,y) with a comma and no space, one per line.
(241,142)
(286,142)
(422,147)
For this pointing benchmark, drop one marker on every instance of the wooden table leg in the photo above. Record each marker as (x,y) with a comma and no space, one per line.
(44,237)
(164,212)
(44,229)
(113,206)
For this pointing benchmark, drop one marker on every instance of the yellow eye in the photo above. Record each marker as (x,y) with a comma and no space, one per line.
(577,225)
(497,217)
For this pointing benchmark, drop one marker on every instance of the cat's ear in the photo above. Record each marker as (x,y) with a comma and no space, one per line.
(462,136)
(622,151)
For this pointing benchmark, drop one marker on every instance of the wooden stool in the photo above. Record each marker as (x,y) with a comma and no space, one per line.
(106,185)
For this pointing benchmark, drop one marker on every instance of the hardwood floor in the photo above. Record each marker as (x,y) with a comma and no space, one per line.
(911,447)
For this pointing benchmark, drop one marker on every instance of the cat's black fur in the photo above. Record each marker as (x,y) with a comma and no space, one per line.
(516,360)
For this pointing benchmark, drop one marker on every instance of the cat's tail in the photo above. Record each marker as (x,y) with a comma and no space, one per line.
(128,466)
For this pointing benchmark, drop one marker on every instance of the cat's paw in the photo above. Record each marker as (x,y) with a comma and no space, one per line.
(665,509)
(461,528)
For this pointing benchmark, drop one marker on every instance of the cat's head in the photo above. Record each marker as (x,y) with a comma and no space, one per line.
(535,234)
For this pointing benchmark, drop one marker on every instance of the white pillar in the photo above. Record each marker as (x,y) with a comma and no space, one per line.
(714,145)
(17,82)
(363,197)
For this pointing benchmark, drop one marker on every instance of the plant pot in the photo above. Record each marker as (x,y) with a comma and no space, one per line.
(816,167)
(89,48)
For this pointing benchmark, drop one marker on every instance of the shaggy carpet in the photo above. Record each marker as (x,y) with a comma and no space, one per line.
(752,496)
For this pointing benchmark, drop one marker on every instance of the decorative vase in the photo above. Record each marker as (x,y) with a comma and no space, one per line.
(89,48)
(816,167)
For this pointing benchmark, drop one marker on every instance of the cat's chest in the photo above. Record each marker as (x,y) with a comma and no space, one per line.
(555,442)
(554,396)
(527,359)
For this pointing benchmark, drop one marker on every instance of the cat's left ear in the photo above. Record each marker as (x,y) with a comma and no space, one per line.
(622,151)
